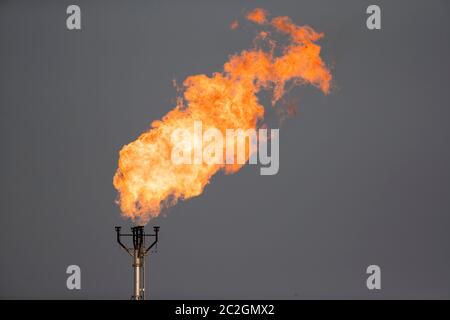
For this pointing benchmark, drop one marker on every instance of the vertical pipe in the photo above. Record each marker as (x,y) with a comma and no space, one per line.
(143,277)
(137,275)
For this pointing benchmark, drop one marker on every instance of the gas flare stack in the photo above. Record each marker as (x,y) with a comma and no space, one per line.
(138,253)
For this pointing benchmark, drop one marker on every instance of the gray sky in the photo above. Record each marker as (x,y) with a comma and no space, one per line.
(364,172)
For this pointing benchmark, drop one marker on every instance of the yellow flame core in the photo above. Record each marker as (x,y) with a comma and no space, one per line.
(148,181)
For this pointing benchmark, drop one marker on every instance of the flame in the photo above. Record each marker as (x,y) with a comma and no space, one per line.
(148,181)
(258,16)
(234,25)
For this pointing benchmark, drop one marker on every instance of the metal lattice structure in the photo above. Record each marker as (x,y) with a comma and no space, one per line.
(138,253)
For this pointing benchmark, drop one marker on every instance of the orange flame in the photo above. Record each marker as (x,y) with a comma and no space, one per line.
(147,179)
(234,24)
(257,16)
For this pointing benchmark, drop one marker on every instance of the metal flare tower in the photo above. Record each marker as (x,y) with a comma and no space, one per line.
(138,253)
